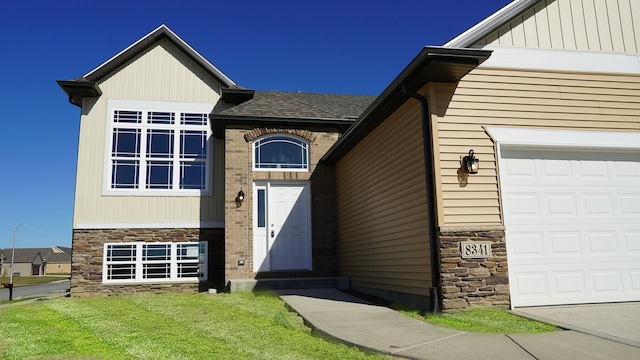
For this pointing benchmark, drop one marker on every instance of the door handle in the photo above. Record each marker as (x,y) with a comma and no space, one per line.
(272,233)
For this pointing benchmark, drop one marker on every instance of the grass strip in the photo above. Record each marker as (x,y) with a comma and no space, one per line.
(480,320)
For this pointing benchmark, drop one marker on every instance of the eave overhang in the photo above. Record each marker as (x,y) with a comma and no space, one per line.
(433,64)
(220,122)
(76,90)
(236,95)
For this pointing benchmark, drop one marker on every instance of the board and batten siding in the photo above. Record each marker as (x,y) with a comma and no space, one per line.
(517,98)
(382,208)
(161,73)
(586,25)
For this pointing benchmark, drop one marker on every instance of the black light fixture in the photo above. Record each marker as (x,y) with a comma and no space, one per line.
(471,163)
(240,198)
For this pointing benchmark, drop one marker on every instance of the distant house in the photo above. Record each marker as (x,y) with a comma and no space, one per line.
(187,180)
(58,261)
(37,261)
(26,262)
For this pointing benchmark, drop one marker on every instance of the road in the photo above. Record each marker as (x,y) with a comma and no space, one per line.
(35,290)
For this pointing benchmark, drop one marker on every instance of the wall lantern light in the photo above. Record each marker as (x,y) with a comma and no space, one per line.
(240,198)
(471,163)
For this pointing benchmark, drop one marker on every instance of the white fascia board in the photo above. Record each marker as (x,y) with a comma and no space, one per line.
(491,23)
(151,225)
(186,47)
(564,138)
(562,60)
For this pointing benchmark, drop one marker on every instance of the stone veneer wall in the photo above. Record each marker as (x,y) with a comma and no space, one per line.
(473,282)
(239,175)
(88,251)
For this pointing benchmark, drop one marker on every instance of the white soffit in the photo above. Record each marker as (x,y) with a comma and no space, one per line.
(564,138)
(562,60)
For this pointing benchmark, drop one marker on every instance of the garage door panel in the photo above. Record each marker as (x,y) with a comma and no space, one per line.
(632,242)
(580,203)
(630,204)
(634,281)
(573,225)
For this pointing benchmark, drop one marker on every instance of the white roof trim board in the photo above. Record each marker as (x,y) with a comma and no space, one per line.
(491,23)
(163,29)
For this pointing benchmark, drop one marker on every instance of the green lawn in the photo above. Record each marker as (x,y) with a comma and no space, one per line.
(483,320)
(169,326)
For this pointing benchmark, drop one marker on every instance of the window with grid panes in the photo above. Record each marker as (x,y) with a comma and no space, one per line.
(159,151)
(155,262)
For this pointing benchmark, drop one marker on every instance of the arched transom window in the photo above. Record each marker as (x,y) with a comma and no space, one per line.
(281,152)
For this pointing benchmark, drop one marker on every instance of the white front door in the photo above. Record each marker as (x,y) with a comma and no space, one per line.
(282,231)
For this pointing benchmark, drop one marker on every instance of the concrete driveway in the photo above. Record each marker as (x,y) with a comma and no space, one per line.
(619,322)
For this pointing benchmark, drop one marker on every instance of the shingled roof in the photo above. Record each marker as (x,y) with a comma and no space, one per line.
(300,105)
(275,108)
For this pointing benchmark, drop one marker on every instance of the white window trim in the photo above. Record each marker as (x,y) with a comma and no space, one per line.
(139,264)
(253,153)
(159,106)
(564,138)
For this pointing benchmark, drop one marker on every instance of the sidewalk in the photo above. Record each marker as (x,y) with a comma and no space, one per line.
(357,322)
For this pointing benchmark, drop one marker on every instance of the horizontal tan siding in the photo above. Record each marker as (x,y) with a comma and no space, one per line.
(163,72)
(382,209)
(584,25)
(500,97)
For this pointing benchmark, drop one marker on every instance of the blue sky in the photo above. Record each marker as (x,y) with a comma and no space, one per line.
(329,46)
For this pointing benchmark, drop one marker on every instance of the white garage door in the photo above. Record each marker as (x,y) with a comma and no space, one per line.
(572,220)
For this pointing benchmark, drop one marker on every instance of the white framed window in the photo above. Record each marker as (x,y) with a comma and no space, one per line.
(281,152)
(158,148)
(154,262)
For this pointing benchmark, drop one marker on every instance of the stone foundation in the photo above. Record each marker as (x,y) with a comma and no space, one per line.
(88,251)
(473,282)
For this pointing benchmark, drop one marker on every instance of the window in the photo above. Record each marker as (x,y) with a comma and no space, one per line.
(281,152)
(153,262)
(158,152)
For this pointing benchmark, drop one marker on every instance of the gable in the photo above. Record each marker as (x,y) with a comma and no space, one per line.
(611,26)
(162,72)
(88,86)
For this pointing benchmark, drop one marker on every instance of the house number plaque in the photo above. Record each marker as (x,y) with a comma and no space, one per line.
(475,249)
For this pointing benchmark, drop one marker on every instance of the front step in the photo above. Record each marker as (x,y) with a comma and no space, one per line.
(341,283)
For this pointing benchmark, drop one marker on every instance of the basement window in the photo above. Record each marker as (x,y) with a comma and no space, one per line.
(154,262)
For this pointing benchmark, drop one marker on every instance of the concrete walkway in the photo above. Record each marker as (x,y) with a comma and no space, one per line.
(354,321)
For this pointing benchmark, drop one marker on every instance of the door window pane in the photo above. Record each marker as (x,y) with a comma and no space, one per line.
(261,209)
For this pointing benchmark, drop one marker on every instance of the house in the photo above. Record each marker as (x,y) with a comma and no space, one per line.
(186,181)
(58,260)
(26,261)
(546,95)
(500,169)
(36,261)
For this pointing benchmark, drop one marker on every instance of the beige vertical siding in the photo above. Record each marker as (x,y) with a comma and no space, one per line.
(585,25)
(551,100)
(50,269)
(382,209)
(162,72)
